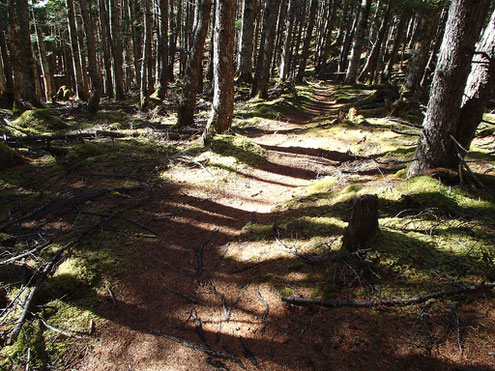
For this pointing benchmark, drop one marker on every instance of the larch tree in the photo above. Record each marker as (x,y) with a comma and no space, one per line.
(436,148)
(222,110)
(194,66)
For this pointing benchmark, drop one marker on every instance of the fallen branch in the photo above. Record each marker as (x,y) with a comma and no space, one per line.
(68,136)
(403,122)
(235,357)
(335,303)
(57,330)
(48,268)
(187,297)
(228,310)
(121,218)
(24,254)
(247,352)
(111,295)
(199,253)
(31,214)
(201,348)
(199,326)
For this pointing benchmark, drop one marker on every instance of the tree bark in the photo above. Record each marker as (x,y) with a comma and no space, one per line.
(363,224)
(479,86)
(26,54)
(287,40)
(194,68)
(423,36)
(245,70)
(46,67)
(144,93)
(105,36)
(136,42)
(262,74)
(7,69)
(222,110)
(370,67)
(398,40)
(163,49)
(435,146)
(116,48)
(81,92)
(94,73)
(307,41)
(327,41)
(357,46)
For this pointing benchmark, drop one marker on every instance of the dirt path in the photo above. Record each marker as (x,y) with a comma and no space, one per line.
(199,266)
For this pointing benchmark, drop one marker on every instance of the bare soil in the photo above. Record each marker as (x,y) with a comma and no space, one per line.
(198,254)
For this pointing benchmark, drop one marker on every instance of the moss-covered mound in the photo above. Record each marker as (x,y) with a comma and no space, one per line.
(9,157)
(40,121)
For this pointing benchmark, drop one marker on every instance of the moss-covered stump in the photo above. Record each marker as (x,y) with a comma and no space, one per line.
(9,157)
(40,121)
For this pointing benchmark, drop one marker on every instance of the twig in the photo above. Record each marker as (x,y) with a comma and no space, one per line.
(57,330)
(198,325)
(31,214)
(176,292)
(24,254)
(201,348)
(247,352)
(88,135)
(199,253)
(111,295)
(267,307)
(478,182)
(403,122)
(48,268)
(121,218)
(335,303)
(228,310)
(235,357)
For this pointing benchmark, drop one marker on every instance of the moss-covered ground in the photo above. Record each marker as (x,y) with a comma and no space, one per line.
(279,186)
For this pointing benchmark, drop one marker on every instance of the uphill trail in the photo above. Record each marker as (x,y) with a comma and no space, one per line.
(195,281)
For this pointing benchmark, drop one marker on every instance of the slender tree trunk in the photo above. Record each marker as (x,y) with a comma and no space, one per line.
(105,36)
(479,86)
(82,56)
(26,54)
(117,54)
(15,58)
(144,93)
(370,68)
(262,74)
(3,84)
(424,34)
(163,49)
(222,110)
(136,41)
(279,33)
(185,114)
(307,41)
(357,47)
(246,43)
(398,39)
(174,30)
(7,69)
(46,67)
(287,40)
(94,73)
(327,42)
(436,147)
(430,65)
(74,45)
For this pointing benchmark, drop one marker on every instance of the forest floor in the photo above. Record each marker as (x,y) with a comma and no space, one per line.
(194,246)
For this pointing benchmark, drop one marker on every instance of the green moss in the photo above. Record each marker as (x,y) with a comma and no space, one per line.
(40,121)
(239,147)
(285,291)
(9,157)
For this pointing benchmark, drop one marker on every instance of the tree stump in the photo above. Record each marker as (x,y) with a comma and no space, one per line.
(363,224)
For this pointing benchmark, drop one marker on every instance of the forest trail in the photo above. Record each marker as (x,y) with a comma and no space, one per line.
(196,281)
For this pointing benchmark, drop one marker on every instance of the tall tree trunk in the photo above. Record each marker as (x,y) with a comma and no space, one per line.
(423,35)
(26,54)
(105,36)
(174,30)
(287,40)
(116,49)
(163,49)
(81,91)
(349,36)
(245,70)
(430,65)
(46,67)
(262,74)
(357,46)
(321,67)
(194,69)
(136,41)
(370,67)
(222,110)
(82,56)
(307,41)
(479,86)
(144,93)
(436,147)
(7,69)
(94,73)
(279,33)
(398,39)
